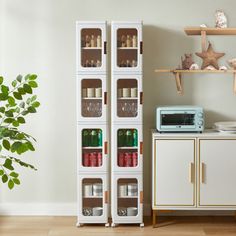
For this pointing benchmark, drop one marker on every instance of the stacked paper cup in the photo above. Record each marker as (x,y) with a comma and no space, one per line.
(97,189)
(132,189)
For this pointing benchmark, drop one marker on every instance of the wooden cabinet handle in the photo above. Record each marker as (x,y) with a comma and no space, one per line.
(191,172)
(141,197)
(202,173)
(141,148)
(105,98)
(141,98)
(105,47)
(106,197)
(141,47)
(105,147)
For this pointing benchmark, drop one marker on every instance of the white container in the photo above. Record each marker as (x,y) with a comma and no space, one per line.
(126,92)
(133,92)
(98,92)
(132,189)
(84,92)
(88,190)
(97,190)
(132,211)
(123,191)
(90,92)
(97,211)
(120,93)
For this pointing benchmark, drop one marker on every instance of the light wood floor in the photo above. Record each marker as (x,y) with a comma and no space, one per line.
(65,226)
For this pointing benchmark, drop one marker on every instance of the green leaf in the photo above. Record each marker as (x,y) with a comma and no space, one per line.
(27,77)
(21,91)
(21,120)
(27,88)
(22,105)
(30,146)
(36,104)
(1,79)
(33,77)
(4,89)
(17,109)
(19,78)
(8,164)
(0,147)
(33,98)
(6,144)
(2,109)
(17,95)
(1,172)
(20,136)
(10,184)
(14,174)
(31,109)
(16,181)
(15,123)
(33,84)
(9,113)
(23,148)
(28,101)
(3,96)
(14,83)
(8,120)
(11,101)
(4,178)
(15,146)
(24,113)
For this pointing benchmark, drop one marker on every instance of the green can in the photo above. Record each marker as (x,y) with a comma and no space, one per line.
(128,138)
(99,137)
(94,138)
(121,138)
(135,138)
(85,138)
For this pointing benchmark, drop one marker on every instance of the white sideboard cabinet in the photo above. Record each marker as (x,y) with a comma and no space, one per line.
(193,171)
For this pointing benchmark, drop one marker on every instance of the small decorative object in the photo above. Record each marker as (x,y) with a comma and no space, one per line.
(134,63)
(92,41)
(194,66)
(210,68)
(123,41)
(98,63)
(221,19)
(210,57)
(99,41)
(223,68)
(134,41)
(122,211)
(203,26)
(187,61)
(232,63)
(128,41)
(87,211)
(87,41)
(128,64)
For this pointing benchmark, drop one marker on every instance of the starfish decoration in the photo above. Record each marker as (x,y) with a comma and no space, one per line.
(210,57)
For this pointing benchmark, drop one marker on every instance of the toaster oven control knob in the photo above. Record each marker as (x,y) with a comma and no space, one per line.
(200,122)
(200,114)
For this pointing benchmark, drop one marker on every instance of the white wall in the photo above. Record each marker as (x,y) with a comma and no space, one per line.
(39,37)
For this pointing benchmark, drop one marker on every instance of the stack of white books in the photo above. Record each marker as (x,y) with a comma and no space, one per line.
(225,127)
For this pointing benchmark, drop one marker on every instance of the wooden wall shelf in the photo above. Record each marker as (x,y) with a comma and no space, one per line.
(178,76)
(209,31)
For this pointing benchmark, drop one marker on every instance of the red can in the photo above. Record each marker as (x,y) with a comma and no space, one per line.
(99,159)
(128,160)
(121,159)
(86,161)
(93,159)
(134,159)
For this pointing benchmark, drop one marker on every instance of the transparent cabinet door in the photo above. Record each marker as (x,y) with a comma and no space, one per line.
(92,148)
(91,47)
(128,199)
(127,46)
(127,99)
(93,202)
(92,98)
(127,153)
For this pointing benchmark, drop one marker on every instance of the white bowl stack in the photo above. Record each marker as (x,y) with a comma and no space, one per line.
(226,127)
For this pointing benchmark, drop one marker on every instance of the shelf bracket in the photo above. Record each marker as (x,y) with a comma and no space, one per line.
(204,41)
(178,80)
(234,85)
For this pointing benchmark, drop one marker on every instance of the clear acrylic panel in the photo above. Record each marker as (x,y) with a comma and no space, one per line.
(127,190)
(127,47)
(91,98)
(127,98)
(92,197)
(91,47)
(127,154)
(92,150)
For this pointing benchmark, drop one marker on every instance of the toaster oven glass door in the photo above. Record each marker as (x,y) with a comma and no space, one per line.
(178,120)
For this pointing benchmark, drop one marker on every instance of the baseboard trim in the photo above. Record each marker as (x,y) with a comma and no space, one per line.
(69,209)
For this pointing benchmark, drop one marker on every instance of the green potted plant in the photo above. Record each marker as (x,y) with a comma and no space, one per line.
(16,102)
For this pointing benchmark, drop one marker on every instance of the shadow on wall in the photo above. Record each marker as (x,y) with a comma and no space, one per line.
(162,50)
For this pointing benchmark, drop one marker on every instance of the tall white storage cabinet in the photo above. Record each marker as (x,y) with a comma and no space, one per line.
(92,126)
(126,122)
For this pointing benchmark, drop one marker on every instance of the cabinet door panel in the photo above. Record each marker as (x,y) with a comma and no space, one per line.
(172,183)
(218,172)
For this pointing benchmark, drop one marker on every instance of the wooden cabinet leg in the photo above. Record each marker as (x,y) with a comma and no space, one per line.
(154,215)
